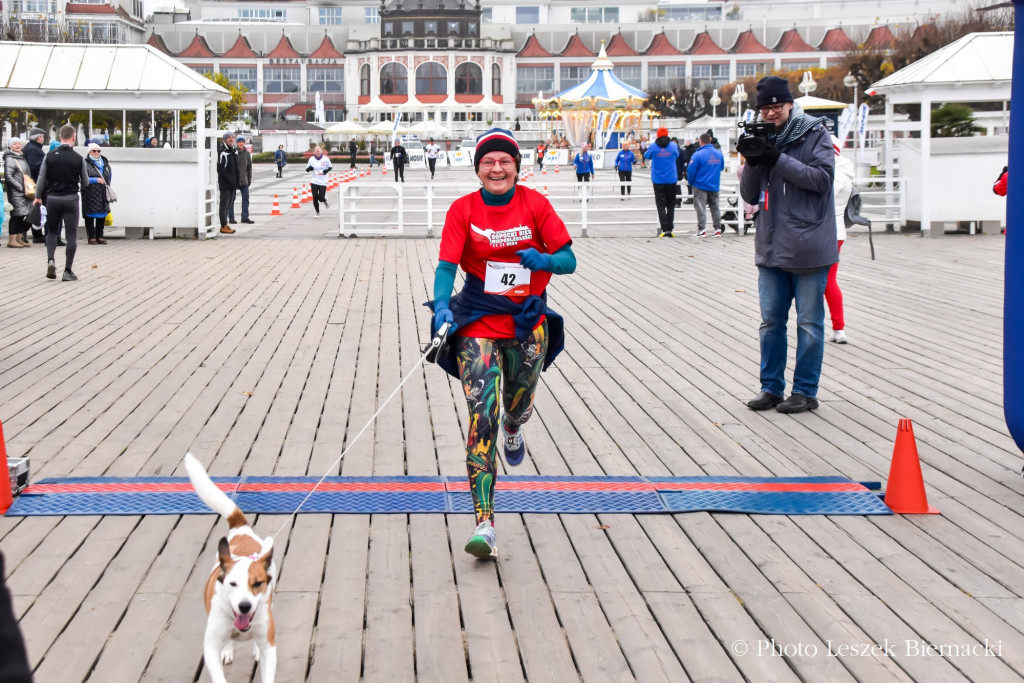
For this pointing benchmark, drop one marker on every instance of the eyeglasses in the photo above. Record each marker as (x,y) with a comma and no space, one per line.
(504,163)
(773,108)
(94,151)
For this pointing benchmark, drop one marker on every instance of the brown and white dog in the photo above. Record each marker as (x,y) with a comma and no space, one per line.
(241,586)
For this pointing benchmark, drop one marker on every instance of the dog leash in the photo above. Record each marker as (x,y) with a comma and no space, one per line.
(431,353)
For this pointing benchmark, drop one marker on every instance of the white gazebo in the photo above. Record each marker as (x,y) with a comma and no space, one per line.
(950,179)
(128,77)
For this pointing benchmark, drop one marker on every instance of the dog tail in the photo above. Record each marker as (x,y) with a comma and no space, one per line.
(214,498)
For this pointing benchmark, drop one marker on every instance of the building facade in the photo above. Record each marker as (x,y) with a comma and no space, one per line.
(473,60)
(85,21)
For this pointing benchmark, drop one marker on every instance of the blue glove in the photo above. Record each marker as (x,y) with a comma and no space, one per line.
(443,314)
(534,260)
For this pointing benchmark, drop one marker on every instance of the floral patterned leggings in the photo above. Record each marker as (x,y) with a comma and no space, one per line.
(484,366)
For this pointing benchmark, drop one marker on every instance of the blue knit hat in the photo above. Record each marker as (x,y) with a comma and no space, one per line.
(496,140)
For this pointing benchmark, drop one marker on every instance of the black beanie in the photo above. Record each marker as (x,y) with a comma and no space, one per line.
(496,140)
(772,90)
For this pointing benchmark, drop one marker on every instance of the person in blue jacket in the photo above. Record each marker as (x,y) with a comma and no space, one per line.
(663,154)
(705,174)
(624,165)
(280,159)
(584,164)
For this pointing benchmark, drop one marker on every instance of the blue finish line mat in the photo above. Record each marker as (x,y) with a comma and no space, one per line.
(406,495)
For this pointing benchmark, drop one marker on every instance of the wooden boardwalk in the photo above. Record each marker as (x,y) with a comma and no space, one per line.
(264,356)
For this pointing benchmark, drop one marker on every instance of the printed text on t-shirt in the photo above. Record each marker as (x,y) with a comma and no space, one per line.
(505,238)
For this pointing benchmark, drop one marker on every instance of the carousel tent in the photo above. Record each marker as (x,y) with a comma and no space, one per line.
(601,103)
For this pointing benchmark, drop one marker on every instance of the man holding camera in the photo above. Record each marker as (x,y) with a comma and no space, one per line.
(789,176)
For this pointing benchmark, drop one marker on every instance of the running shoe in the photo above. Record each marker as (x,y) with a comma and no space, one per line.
(515,445)
(482,543)
(701,233)
(839,337)
(51,270)
(718,233)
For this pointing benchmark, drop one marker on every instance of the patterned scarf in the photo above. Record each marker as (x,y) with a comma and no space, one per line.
(795,126)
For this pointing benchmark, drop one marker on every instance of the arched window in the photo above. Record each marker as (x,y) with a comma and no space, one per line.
(394,79)
(469,79)
(364,80)
(495,80)
(431,79)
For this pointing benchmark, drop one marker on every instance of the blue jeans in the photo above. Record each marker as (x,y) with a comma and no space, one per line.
(776,291)
(244,191)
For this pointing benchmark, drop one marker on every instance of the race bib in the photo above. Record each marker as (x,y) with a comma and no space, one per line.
(507,279)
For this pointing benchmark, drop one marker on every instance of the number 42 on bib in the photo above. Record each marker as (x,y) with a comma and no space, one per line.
(507,279)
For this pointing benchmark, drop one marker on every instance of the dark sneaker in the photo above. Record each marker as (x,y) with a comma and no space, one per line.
(249,221)
(232,221)
(764,401)
(701,233)
(797,403)
(483,542)
(69,276)
(51,270)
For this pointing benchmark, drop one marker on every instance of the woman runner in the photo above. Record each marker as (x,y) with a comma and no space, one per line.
(509,241)
(319,165)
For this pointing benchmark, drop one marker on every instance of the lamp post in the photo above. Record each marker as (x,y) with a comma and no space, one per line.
(739,97)
(808,84)
(850,81)
(714,101)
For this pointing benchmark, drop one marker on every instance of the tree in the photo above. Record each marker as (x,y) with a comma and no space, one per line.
(681,101)
(954,121)
(910,44)
(228,111)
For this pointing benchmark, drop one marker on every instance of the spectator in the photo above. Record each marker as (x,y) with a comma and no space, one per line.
(687,154)
(681,162)
(61,177)
(624,161)
(319,165)
(244,181)
(353,150)
(999,187)
(398,158)
(280,159)
(16,169)
(795,244)
(663,154)
(34,154)
(541,150)
(842,188)
(705,174)
(644,144)
(227,180)
(431,150)
(95,205)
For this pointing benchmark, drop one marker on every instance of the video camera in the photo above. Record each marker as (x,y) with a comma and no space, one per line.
(754,139)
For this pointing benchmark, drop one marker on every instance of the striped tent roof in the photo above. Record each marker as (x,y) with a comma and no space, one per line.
(601,85)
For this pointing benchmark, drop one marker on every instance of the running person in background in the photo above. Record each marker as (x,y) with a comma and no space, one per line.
(432,151)
(624,165)
(509,241)
(319,165)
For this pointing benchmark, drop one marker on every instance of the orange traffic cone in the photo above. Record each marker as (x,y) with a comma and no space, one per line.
(556,169)
(904,492)
(276,209)
(306,196)
(383,169)
(543,171)
(295,199)
(545,190)
(6,499)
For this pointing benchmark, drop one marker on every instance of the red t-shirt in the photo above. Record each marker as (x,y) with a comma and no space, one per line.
(475,233)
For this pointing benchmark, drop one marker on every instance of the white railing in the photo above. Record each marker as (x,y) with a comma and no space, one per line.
(417,208)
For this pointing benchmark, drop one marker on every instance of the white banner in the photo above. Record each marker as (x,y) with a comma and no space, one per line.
(417,159)
(442,159)
(556,157)
(527,155)
(459,159)
(599,157)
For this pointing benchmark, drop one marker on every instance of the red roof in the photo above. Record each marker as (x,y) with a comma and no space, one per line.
(790,41)
(197,48)
(661,47)
(618,47)
(836,40)
(703,44)
(747,43)
(533,48)
(576,48)
(326,49)
(284,48)
(83,8)
(241,49)
(158,42)
(880,37)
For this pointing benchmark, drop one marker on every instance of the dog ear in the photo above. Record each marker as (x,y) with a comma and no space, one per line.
(224,555)
(267,553)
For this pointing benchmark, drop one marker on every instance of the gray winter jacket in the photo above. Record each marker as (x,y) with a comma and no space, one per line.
(796,223)
(244,168)
(15,167)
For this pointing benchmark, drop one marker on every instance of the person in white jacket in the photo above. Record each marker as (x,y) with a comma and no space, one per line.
(319,165)
(842,187)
